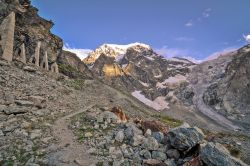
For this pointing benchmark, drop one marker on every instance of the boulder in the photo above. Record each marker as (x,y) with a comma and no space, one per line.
(153,162)
(137,140)
(127,151)
(137,161)
(173,153)
(148,133)
(119,136)
(29,69)
(115,153)
(150,144)
(159,155)
(15,110)
(216,154)
(131,130)
(146,154)
(24,103)
(185,137)
(170,162)
(159,136)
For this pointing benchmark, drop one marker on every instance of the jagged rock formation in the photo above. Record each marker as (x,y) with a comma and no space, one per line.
(26,36)
(7,29)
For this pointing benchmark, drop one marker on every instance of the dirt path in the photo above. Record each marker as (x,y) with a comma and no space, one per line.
(68,151)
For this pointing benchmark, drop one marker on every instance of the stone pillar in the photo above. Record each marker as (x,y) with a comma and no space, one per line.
(37,53)
(45,62)
(54,68)
(7,30)
(23,53)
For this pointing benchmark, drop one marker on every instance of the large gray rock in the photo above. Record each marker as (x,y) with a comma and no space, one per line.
(173,153)
(24,103)
(170,162)
(158,136)
(115,153)
(159,155)
(217,155)
(146,154)
(137,140)
(16,110)
(150,144)
(185,137)
(132,131)
(127,151)
(119,136)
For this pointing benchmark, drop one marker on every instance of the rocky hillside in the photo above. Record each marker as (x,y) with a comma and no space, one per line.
(86,114)
(77,122)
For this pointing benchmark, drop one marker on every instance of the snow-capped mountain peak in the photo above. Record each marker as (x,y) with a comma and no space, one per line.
(113,50)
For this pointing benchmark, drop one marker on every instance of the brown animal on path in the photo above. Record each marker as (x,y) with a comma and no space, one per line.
(120,114)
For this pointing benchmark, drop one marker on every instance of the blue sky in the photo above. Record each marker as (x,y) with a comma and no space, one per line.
(196,28)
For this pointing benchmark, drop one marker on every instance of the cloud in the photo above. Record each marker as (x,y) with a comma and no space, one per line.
(81,53)
(171,52)
(192,59)
(206,13)
(184,39)
(177,52)
(189,24)
(221,53)
(247,38)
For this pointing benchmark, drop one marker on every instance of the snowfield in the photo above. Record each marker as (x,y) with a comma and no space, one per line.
(158,104)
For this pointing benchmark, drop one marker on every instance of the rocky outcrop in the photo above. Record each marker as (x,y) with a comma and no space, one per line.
(184,138)
(71,65)
(216,154)
(221,87)
(30,30)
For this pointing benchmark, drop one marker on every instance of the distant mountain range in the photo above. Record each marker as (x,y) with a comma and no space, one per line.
(159,82)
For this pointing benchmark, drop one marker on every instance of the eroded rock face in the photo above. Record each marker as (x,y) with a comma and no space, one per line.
(29,29)
(216,154)
(236,98)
